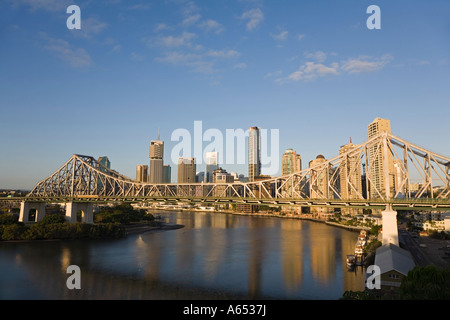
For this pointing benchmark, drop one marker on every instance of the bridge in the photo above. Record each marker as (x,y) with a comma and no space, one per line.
(382,172)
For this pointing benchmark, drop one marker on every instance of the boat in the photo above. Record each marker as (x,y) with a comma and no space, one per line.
(359,249)
(351,260)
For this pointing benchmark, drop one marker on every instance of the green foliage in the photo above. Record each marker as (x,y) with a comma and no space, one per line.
(7,219)
(426,283)
(123,213)
(375,229)
(52,218)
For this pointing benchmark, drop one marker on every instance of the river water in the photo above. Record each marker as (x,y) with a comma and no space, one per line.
(215,256)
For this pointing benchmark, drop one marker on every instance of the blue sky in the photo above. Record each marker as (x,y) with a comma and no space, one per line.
(311,69)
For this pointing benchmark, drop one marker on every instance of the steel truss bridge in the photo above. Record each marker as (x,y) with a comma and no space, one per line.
(384,170)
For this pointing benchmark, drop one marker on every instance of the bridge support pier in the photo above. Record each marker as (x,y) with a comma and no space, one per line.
(87,212)
(390,229)
(31,211)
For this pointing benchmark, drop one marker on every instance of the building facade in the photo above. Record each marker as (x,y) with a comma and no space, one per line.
(290,162)
(350,180)
(142,173)
(156,153)
(254,153)
(186,170)
(377,162)
(212,164)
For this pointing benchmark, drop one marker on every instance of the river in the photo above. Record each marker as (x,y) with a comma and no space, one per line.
(215,256)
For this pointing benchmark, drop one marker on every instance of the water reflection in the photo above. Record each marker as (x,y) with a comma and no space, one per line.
(215,256)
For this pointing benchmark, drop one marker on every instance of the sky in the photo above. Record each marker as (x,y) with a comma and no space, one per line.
(310,71)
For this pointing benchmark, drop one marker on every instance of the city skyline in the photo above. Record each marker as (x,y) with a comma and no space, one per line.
(314,71)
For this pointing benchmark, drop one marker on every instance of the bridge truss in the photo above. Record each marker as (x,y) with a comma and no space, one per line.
(383,169)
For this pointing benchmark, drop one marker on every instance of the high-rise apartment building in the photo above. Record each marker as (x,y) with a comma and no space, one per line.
(156,153)
(377,162)
(186,170)
(211,165)
(319,179)
(350,177)
(254,153)
(142,173)
(350,173)
(290,162)
(318,185)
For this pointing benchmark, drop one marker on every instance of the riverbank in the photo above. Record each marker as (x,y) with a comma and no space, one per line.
(141,228)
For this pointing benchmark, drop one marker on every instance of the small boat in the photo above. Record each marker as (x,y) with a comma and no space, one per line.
(351,260)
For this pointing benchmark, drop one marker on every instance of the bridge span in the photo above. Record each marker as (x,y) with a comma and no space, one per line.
(382,172)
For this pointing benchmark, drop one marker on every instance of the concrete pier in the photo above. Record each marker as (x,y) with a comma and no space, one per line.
(31,211)
(87,214)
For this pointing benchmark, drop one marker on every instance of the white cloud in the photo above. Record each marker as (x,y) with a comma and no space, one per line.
(240,66)
(223,53)
(300,37)
(254,17)
(211,26)
(199,62)
(191,19)
(185,39)
(314,69)
(161,27)
(319,56)
(365,64)
(48,5)
(75,57)
(90,27)
(281,36)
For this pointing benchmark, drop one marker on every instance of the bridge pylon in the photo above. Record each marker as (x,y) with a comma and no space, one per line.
(87,212)
(32,211)
(390,229)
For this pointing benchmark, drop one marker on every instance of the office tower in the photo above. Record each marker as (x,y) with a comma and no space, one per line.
(350,176)
(290,162)
(142,173)
(156,154)
(104,161)
(200,177)
(377,161)
(254,153)
(104,165)
(211,165)
(167,174)
(186,170)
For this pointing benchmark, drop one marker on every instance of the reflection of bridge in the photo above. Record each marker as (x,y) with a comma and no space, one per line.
(395,173)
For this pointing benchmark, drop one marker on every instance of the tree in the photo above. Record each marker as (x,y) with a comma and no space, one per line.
(426,283)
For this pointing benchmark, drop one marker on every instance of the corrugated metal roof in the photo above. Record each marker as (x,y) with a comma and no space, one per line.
(391,257)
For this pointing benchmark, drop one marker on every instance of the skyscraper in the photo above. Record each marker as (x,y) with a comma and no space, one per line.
(142,173)
(319,179)
(211,165)
(156,153)
(254,153)
(290,162)
(350,177)
(167,174)
(186,170)
(377,161)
